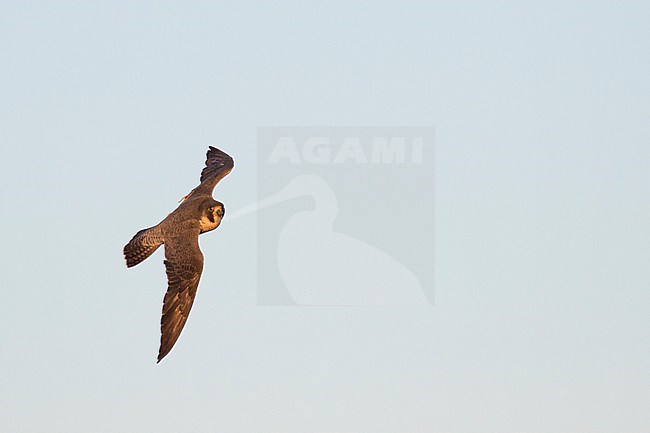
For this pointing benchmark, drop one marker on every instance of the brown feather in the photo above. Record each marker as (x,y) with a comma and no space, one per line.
(217,166)
(184,264)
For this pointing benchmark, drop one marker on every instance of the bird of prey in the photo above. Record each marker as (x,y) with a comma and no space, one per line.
(198,213)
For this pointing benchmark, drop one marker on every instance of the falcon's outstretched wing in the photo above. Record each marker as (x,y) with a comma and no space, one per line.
(184,264)
(217,165)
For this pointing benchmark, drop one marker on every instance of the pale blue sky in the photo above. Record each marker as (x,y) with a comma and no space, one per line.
(541,321)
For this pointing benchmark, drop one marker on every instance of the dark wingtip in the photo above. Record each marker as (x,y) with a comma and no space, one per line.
(217,153)
(130,262)
(161,355)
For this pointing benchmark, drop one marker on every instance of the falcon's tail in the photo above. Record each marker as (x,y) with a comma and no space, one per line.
(143,244)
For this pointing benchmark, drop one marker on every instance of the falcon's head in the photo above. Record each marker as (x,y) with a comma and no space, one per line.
(211,213)
(217,210)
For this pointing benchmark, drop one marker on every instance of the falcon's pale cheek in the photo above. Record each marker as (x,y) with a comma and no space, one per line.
(209,222)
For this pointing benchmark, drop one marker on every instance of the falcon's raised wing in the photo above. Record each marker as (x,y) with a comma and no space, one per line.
(217,165)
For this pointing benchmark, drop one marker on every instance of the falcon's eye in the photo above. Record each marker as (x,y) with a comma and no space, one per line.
(211,208)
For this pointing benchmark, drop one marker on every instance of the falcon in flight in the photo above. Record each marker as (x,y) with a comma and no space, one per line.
(198,213)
